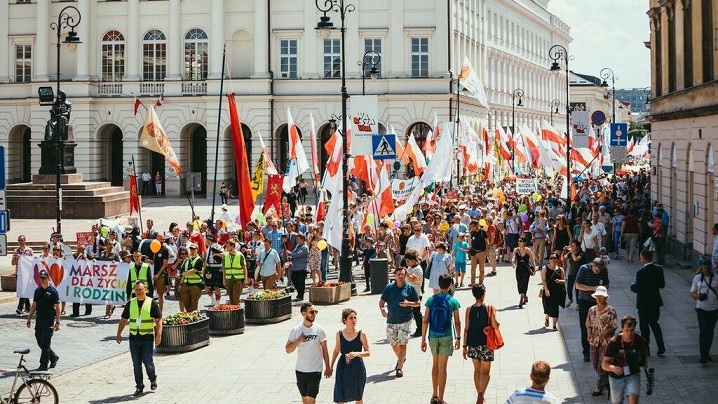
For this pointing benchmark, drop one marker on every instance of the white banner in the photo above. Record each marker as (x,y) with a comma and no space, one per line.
(581,124)
(91,282)
(525,186)
(401,189)
(365,116)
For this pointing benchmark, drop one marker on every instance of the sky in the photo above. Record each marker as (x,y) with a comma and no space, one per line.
(608,33)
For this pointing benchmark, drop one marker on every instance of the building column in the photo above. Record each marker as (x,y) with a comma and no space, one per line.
(261,47)
(216,40)
(312,44)
(5,41)
(397,52)
(42,40)
(174,43)
(132,41)
(84,31)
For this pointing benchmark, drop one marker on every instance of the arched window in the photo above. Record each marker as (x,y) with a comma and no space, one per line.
(196,47)
(113,56)
(154,56)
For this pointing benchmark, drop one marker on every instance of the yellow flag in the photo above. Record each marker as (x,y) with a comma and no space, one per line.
(258,179)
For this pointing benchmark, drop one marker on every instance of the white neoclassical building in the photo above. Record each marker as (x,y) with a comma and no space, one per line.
(276,61)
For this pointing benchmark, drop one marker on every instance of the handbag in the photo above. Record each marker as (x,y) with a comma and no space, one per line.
(494,340)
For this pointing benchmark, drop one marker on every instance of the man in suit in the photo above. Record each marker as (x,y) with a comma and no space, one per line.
(649,280)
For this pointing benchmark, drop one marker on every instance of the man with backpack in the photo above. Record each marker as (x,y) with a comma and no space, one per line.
(440,309)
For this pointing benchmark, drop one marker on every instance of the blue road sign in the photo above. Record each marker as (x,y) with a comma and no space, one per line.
(2,167)
(619,134)
(384,146)
(3,222)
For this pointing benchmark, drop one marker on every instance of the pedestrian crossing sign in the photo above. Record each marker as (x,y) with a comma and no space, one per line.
(384,146)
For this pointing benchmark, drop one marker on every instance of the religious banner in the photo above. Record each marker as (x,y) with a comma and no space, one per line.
(274,193)
(90,282)
(525,186)
(85,237)
(401,189)
(134,195)
(258,179)
(581,124)
(154,137)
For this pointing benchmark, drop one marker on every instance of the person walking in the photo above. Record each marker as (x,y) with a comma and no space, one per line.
(441,263)
(630,227)
(351,347)
(212,273)
(574,260)
(139,270)
(460,249)
(703,290)
(647,285)
(46,303)
(626,354)
(590,276)
(23,305)
(145,319)
(298,256)
(478,250)
(590,241)
(310,342)
(553,280)
(658,228)
(191,279)
(477,317)
(400,298)
(560,238)
(441,309)
(234,272)
(146,178)
(269,265)
(601,324)
(522,260)
(539,232)
(415,277)
(536,394)
(158,183)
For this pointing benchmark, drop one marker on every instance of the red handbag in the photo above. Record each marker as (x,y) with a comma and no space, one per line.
(494,340)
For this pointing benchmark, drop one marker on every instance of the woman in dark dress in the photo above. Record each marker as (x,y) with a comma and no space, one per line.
(561,237)
(523,263)
(554,294)
(350,371)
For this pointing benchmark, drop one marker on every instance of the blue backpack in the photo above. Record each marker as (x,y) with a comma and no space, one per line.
(440,315)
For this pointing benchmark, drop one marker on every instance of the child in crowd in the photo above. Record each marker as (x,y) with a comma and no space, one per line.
(459,250)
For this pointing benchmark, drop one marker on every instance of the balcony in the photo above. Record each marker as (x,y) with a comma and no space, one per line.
(109,89)
(152,88)
(194,88)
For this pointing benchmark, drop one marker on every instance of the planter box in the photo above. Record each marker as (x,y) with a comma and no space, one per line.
(8,283)
(333,295)
(184,338)
(226,322)
(268,311)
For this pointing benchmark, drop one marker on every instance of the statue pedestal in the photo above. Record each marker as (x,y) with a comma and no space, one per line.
(50,154)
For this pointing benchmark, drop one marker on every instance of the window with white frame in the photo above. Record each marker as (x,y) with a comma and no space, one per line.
(419,57)
(332,58)
(196,51)
(113,56)
(372,44)
(154,56)
(23,63)
(288,58)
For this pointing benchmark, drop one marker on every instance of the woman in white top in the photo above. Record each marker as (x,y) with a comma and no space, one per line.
(703,290)
(441,263)
(589,241)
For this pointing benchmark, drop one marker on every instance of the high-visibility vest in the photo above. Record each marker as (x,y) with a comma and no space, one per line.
(142,276)
(194,278)
(234,268)
(146,325)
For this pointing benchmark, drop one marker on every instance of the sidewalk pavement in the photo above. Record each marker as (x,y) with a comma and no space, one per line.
(253,367)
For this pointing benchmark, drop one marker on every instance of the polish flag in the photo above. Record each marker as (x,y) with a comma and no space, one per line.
(313,145)
(413,152)
(503,140)
(298,163)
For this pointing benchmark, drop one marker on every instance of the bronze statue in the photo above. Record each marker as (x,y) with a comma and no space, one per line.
(57,126)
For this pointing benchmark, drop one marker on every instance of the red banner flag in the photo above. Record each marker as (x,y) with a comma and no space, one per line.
(134,195)
(274,192)
(244,193)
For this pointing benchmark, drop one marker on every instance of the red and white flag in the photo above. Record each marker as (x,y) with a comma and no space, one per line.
(413,153)
(298,163)
(244,193)
(269,166)
(137,105)
(160,101)
(313,146)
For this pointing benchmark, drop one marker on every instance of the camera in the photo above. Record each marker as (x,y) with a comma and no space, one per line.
(702,296)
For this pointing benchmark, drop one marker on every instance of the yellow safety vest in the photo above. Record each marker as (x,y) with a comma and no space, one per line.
(142,275)
(194,278)
(146,325)
(234,269)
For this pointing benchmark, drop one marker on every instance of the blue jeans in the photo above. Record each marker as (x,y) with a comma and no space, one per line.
(141,352)
(325,264)
(616,242)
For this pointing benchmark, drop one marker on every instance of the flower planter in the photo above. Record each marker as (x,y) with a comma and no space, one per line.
(184,338)
(226,322)
(330,295)
(268,311)
(8,283)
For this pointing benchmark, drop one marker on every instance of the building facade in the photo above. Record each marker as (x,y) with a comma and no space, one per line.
(684,119)
(275,61)
(637,97)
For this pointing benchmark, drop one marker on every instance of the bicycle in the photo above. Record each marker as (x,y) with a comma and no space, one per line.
(35,387)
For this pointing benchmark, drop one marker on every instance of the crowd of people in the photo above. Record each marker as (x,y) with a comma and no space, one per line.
(443,247)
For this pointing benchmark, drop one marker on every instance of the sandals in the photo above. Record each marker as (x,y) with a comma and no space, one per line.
(399,373)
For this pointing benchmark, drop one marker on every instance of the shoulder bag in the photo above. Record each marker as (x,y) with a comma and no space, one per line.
(494,340)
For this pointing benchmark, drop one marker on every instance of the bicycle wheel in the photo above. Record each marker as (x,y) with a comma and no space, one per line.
(36,391)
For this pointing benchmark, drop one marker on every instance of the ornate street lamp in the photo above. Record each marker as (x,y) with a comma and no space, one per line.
(371,59)
(558,53)
(607,73)
(554,108)
(518,93)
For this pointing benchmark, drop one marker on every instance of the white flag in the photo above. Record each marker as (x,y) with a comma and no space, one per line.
(472,83)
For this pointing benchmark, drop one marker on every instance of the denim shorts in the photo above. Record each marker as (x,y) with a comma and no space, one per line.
(625,386)
(460,267)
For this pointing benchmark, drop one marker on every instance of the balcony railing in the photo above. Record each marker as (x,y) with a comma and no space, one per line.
(152,88)
(109,89)
(194,88)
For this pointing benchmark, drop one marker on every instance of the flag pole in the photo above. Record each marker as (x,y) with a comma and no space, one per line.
(216,148)
(139,207)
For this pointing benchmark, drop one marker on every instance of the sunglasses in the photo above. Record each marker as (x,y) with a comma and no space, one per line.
(552,258)
(313,311)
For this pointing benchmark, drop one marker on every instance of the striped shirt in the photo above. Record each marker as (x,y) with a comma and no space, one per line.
(587,277)
(531,396)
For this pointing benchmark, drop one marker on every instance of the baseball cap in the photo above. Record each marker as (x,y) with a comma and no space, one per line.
(43,274)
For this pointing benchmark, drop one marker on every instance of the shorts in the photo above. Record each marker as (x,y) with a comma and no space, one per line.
(398,333)
(442,346)
(308,383)
(460,267)
(625,386)
(481,353)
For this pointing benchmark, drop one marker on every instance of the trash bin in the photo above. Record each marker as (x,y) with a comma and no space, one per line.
(378,274)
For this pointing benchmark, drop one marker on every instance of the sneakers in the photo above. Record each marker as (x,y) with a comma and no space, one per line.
(153,385)
(18,312)
(53,362)
(138,391)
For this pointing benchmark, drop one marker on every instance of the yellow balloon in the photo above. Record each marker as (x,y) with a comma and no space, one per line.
(422,192)
(502,199)
(321,245)
(486,227)
(444,226)
(155,246)
(482,222)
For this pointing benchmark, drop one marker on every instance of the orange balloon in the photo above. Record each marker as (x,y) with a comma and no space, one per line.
(155,246)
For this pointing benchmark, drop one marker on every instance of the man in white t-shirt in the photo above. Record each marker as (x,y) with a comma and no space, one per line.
(310,342)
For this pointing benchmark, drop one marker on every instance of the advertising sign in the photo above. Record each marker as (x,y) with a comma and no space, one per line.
(365,116)
(581,126)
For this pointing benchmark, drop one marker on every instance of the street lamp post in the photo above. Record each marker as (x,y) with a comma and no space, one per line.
(374,59)
(558,53)
(518,93)
(60,113)
(554,108)
(325,26)
(607,73)
(647,93)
